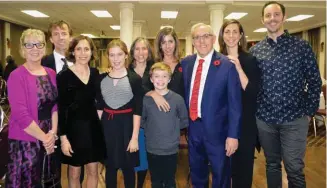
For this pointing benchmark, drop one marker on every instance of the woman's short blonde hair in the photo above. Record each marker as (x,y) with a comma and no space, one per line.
(35,33)
(160,66)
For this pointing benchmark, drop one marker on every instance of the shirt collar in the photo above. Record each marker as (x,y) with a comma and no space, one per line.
(207,58)
(58,56)
(285,35)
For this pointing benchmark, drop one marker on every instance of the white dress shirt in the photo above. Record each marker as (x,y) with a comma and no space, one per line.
(205,69)
(59,62)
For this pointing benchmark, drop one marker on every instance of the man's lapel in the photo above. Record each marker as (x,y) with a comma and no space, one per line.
(52,62)
(213,69)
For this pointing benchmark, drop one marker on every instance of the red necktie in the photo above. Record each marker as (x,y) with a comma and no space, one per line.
(195,92)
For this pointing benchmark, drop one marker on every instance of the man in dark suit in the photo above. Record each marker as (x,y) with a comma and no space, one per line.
(213,96)
(60,34)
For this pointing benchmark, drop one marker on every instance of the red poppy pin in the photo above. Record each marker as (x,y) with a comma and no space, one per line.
(180,69)
(216,63)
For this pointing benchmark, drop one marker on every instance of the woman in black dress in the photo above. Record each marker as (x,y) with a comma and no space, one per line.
(167,51)
(233,44)
(80,131)
(120,98)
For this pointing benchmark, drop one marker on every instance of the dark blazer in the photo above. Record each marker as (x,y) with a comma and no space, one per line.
(49,61)
(249,129)
(221,101)
(146,82)
(249,95)
(176,83)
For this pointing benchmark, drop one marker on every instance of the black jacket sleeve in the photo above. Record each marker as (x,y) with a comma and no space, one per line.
(138,92)
(62,104)
(100,104)
(252,71)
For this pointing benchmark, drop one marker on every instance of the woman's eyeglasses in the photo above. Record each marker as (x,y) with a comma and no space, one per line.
(31,45)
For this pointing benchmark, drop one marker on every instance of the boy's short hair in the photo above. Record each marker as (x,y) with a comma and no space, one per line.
(160,66)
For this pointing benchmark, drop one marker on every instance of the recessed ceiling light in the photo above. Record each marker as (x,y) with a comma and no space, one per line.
(236,15)
(101,13)
(169,14)
(260,30)
(299,17)
(115,27)
(35,13)
(163,26)
(88,35)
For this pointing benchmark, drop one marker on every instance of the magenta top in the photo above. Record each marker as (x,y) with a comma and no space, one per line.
(22,94)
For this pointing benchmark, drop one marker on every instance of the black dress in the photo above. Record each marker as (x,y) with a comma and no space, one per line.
(176,83)
(146,82)
(118,122)
(243,159)
(78,118)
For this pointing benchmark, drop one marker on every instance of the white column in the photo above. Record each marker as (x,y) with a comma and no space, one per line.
(137,28)
(6,38)
(126,23)
(322,51)
(216,20)
(188,44)
(305,35)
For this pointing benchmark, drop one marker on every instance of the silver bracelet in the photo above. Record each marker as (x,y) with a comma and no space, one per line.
(54,134)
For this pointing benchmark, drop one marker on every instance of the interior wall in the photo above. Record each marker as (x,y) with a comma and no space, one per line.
(2,58)
(15,33)
(322,52)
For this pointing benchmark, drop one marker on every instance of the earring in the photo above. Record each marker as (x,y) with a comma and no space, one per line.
(239,43)
(73,53)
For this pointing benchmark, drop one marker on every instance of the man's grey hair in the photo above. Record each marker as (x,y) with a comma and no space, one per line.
(195,26)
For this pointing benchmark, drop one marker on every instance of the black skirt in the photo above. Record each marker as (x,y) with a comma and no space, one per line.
(118,129)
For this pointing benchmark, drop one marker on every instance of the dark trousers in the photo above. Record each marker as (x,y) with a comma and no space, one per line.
(162,170)
(243,159)
(111,177)
(140,178)
(285,142)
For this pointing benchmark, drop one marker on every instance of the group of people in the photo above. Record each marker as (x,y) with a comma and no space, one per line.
(130,117)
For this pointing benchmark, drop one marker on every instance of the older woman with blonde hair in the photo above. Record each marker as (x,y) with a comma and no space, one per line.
(33,121)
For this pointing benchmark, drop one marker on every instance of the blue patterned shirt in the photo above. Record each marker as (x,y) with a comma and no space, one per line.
(291,82)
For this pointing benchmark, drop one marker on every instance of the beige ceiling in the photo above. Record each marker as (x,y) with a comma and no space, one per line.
(78,14)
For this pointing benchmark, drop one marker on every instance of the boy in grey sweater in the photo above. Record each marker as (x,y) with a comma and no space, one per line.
(162,129)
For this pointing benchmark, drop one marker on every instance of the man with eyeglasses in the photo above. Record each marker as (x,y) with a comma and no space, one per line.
(60,34)
(213,96)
